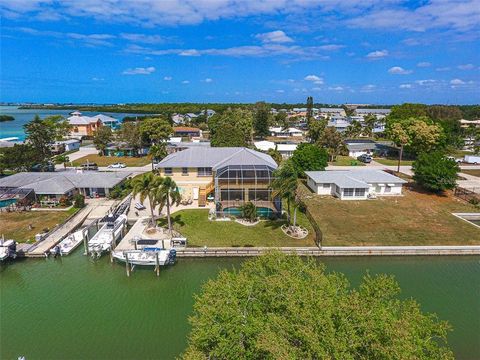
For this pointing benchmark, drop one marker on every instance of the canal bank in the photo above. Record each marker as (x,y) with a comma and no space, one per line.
(77,308)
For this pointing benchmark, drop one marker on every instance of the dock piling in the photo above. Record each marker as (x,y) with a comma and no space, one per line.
(157,264)
(126,264)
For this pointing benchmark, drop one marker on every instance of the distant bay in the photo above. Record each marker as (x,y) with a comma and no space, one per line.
(22,116)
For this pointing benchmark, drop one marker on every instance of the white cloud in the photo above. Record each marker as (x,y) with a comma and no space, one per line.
(142,38)
(426,82)
(167,78)
(378,54)
(397,70)
(280,91)
(368,88)
(457,82)
(139,71)
(208,80)
(423,64)
(336,88)
(97,79)
(466,67)
(314,78)
(185,82)
(405,86)
(277,36)
(190,52)
(446,68)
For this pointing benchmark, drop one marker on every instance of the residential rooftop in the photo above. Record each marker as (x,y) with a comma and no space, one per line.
(359,178)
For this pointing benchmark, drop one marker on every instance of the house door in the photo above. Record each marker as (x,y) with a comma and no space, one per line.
(195,193)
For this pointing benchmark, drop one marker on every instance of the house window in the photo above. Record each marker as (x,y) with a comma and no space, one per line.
(184,171)
(168,171)
(360,192)
(388,189)
(204,171)
(348,192)
(326,186)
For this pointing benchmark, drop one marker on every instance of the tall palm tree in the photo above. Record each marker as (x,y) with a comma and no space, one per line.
(157,152)
(285,184)
(167,195)
(147,186)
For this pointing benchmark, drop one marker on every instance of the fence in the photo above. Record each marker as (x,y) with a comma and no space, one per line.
(470,195)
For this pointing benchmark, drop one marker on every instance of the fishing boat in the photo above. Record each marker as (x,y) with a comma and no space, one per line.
(70,243)
(8,249)
(107,236)
(147,256)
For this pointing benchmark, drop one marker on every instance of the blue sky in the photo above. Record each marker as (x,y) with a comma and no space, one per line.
(361,51)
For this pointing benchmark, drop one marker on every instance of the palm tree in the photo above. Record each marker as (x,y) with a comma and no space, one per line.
(147,186)
(285,184)
(157,152)
(168,194)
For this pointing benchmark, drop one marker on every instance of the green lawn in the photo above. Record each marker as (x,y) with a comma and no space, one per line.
(392,162)
(14,225)
(199,231)
(108,160)
(417,218)
(346,161)
(474,172)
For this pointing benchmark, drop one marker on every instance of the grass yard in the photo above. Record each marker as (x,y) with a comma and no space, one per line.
(392,162)
(14,225)
(108,160)
(473,172)
(199,231)
(414,219)
(346,161)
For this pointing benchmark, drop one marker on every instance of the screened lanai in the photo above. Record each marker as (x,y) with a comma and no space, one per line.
(236,185)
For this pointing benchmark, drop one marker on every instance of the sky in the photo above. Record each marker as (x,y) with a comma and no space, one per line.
(338,51)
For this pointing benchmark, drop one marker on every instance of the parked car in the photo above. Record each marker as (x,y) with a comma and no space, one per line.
(89,166)
(117,166)
(472,159)
(48,167)
(365,158)
(457,160)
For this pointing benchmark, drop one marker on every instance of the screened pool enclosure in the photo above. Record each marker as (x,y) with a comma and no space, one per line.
(236,185)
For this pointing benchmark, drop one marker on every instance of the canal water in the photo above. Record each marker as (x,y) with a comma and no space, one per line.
(77,308)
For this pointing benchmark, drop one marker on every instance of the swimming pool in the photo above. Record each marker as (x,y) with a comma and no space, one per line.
(261,211)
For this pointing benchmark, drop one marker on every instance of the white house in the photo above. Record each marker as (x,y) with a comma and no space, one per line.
(285,149)
(354,184)
(281,132)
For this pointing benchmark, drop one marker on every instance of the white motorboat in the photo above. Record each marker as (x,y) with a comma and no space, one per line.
(108,235)
(70,243)
(8,249)
(147,256)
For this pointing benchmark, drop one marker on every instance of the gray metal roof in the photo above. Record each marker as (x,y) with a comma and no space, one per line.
(360,178)
(44,183)
(216,157)
(373,111)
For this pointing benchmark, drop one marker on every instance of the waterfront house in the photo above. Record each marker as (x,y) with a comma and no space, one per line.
(230,176)
(354,184)
(83,125)
(55,185)
(109,121)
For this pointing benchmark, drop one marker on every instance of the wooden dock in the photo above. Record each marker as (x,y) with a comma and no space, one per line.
(57,234)
(332,251)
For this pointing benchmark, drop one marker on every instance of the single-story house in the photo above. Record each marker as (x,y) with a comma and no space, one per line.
(185,131)
(285,149)
(359,147)
(174,145)
(469,123)
(59,147)
(354,184)
(54,185)
(281,132)
(123,149)
(229,176)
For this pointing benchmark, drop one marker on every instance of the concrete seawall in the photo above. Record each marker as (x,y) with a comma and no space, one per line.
(333,251)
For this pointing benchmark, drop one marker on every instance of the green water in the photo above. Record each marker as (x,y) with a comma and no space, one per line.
(74,308)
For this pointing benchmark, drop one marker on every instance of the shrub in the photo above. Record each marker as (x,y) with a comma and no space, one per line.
(65,201)
(79,201)
(249,211)
(434,172)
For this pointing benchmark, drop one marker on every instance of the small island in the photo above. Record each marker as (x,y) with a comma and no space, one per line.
(6,118)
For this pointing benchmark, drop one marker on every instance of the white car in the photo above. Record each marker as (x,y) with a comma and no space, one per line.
(117,166)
